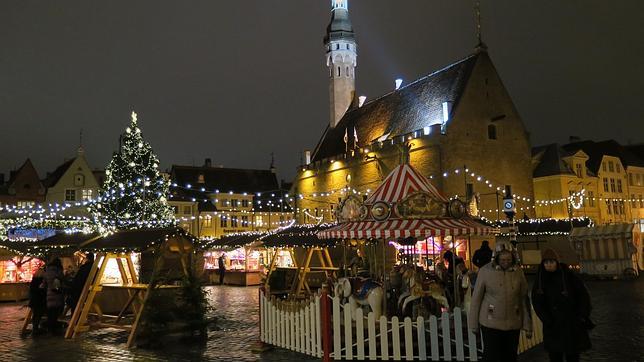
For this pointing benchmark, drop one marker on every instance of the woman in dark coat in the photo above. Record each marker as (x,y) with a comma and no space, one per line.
(561,301)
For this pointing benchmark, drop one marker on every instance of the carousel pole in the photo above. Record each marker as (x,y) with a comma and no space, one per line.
(453,261)
(384,276)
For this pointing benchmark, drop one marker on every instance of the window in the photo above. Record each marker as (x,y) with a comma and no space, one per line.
(244,203)
(87,195)
(605,184)
(79,180)
(346,72)
(611,167)
(223,221)
(617,167)
(608,207)
(491,132)
(207,221)
(630,179)
(23,204)
(245,221)
(259,221)
(615,207)
(612,185)
(338,71)
(233,221)
(619,185)
(337,47)
(70,195)
(633,201)
(235,203)
(201,179)
(591,199)
(639,179)
(578,170)
(348,47)
(187,210)
(604,166)
(621,207)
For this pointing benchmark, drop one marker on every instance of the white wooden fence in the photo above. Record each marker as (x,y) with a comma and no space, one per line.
(300,327)
(292,325)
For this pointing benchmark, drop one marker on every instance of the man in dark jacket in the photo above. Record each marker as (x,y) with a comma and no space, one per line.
(483,255)
(222,268)
(55,299)
(79,280)
(561,301)
(37,300)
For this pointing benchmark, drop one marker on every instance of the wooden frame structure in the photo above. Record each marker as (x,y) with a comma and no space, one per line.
(167,244)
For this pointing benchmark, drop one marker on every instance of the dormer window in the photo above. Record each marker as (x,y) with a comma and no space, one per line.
(201,179)
(579,170)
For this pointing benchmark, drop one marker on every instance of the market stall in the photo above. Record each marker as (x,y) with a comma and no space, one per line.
(242,258)
(299,260)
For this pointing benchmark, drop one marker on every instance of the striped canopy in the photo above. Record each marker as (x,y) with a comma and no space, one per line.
(403,181)
(397,229)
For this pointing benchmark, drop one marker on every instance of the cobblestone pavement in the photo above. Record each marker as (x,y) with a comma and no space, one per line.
(235,337)
(618,313)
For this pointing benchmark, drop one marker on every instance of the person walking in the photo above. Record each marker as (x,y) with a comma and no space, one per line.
(37,300)
(483,255)
(561,301)
(222,268)
(500,306)
(53,283)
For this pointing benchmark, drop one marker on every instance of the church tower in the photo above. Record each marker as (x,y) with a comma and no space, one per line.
(341,58)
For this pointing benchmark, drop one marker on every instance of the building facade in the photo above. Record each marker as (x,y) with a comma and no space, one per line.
(458,126)
(600,180)
(23,189)
(73,181)
(211,202)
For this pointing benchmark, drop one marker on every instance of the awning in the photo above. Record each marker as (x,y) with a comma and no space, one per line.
(395,229)
(603,232)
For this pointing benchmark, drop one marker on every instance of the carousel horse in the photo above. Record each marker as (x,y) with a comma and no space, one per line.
(360,292)
(421,292)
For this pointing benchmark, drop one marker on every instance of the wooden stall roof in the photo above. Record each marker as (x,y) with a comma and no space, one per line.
(133,240)
(233,241)
(299,235)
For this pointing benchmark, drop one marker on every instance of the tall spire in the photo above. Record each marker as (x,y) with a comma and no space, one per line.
(477,12)
(341,55)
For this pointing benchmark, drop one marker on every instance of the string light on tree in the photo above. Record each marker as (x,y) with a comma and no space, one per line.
(142,195)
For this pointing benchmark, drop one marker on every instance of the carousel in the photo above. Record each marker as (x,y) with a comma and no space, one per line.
(411,244)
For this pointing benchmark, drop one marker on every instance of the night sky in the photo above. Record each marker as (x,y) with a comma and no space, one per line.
(237,80)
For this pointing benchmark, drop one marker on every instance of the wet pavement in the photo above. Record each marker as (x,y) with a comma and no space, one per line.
(234,338)
(618,313)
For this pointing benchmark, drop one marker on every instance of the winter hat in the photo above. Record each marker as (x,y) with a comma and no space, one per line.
(549,254)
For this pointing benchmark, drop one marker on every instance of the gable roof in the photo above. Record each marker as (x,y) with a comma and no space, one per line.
(410,108)
(225,179)
(597,150)
(550,161)
(53,178)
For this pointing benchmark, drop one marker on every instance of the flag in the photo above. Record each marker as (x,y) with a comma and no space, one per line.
(355,138)
(346,139)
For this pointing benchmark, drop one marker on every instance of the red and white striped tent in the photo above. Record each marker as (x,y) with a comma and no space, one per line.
(401,182)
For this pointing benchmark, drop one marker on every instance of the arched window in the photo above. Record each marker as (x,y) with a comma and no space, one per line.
(338,71)
(337,47)
(347,72)
(491,132)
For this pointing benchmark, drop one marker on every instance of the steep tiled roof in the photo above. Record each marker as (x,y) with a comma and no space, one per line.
(597,150)
(52,178)
(405,110)
(550,161)
(225,179)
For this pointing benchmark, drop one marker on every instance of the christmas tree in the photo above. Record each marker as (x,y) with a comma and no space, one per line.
(134,194)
